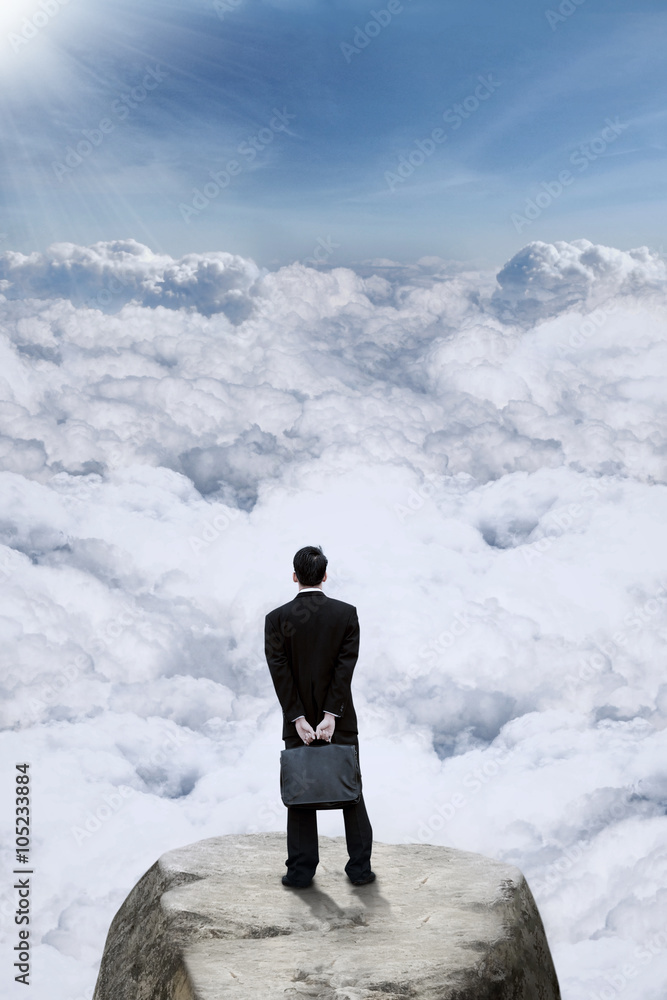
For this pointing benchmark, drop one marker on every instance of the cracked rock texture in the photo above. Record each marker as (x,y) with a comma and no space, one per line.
(212,920)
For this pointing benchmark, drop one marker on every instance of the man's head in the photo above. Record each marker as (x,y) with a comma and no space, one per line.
(310,565)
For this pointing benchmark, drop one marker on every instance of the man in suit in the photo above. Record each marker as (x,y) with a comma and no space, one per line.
(311,645)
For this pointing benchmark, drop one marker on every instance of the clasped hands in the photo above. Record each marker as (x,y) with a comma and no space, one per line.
(324,731)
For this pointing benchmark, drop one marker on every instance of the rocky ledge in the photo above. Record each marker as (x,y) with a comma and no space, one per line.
(212,921)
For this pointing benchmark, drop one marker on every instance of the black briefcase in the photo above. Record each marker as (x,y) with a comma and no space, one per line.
(320,776)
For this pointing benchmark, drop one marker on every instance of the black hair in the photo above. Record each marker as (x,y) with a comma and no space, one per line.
(310,565)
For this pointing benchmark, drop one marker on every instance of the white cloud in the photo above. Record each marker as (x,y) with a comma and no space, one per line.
(483,464)
(112,273)
(543,279)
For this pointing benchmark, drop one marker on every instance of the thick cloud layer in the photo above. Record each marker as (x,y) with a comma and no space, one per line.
(107,275)
(543,279)
(484,464)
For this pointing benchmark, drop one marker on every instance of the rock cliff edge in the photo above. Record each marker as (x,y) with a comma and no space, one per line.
(212,920)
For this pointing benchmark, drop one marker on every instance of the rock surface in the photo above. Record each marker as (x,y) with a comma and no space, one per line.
(212,920)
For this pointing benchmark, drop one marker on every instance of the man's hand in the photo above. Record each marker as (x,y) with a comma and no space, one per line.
(325,730)
(305,731)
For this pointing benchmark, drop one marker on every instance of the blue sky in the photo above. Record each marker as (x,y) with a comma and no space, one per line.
(574,87)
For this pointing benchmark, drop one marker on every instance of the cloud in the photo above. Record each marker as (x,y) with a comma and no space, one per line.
(544,279)
(110,274)
(485,471)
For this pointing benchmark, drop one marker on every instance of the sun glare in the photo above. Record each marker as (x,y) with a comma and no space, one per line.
(15,15)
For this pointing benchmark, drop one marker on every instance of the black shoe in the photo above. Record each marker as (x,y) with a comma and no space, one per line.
(297,885)
(362,881)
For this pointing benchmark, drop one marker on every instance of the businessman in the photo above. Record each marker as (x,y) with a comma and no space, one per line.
(312,645)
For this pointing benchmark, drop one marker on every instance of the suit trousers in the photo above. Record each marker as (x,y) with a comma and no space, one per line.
(302,846)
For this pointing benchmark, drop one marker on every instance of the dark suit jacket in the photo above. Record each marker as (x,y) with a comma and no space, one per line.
(311,646)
